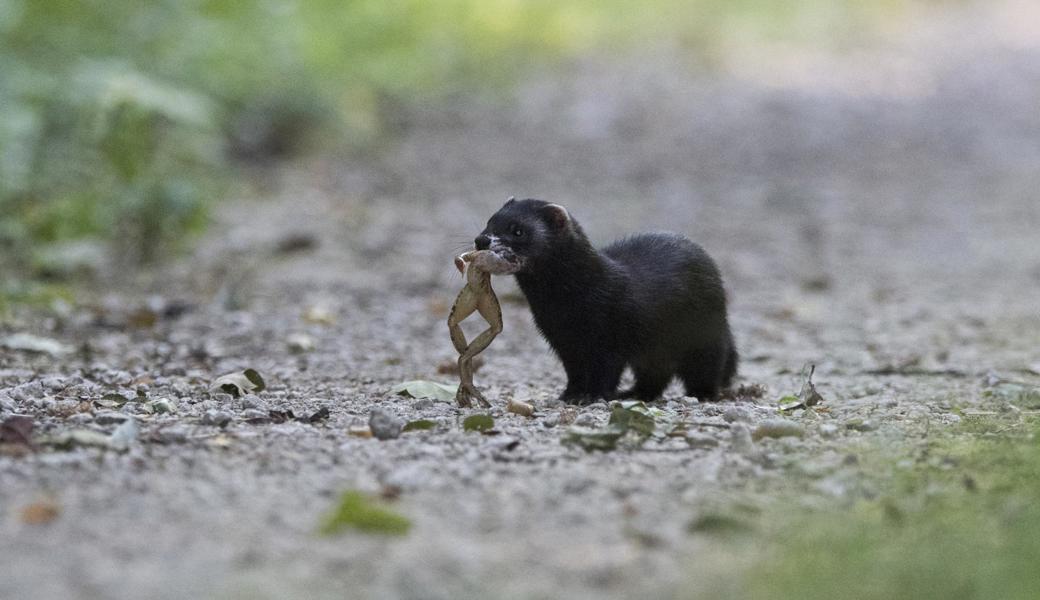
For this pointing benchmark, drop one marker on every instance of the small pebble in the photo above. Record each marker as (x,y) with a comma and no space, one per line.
(701,440)
(740,438)
(828,430)
(384,425)
(299,343)
(585,420)
(171,435)
(253,413)
(777,428)
(551,420)
(217,418)
(252,401)
(109,417)
(124,435)
(736,414)
(861,425)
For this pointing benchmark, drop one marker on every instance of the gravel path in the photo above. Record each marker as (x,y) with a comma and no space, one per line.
(875,213)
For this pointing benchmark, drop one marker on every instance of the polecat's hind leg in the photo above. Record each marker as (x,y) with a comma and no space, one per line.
(702,371)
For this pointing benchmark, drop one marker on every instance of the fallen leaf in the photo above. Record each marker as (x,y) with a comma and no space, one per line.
(361,431)
(320,415)
(358,511)
(239,384)
(591,438)
(479,423)
(419,425)
(26,342)
(281,416)
(718,524)
(807,397)
(630,420)
(426,389)
(635,416)
(40,512)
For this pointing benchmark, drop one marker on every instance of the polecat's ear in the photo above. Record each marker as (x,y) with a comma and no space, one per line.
(511,200)
(556,215)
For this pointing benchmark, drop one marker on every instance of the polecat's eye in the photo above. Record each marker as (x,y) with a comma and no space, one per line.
(518,231)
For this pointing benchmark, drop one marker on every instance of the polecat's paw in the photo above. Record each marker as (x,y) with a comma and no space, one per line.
(578,399)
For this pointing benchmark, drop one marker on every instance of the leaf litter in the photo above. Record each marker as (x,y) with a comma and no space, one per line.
(360,512)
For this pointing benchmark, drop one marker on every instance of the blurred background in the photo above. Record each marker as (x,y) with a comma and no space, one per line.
(125,126)
(192,187)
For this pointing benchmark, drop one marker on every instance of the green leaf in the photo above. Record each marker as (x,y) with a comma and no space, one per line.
(718,524)
(635,418)
(239,384)
(358,511)
(789,399)
(419,425)
(426,389)
(478,423)
(591,438)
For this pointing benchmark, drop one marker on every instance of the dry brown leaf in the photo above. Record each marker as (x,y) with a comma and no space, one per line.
(40,512)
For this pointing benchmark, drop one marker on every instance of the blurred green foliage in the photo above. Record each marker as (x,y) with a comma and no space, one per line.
(957,517)
(120,120)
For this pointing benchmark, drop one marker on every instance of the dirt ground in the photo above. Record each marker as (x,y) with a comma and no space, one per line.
(874,211)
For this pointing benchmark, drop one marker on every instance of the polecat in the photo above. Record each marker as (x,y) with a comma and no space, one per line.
(653,302)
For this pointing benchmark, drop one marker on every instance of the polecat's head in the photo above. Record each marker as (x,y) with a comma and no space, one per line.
(523,231)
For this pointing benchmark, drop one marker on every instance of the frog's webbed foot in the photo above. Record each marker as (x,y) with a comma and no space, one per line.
(467,394)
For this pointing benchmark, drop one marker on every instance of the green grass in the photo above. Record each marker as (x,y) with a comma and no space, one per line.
(957,517)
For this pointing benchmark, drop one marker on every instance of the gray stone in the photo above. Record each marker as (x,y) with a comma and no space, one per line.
(585,420)
(701,440)
(252,401)
(407,478)
(384,426)
(740,438)
(109,417)
(736,414)
(861,425)
(551,420)
(176,434)
(252,413)
(218,418)
(124,435)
